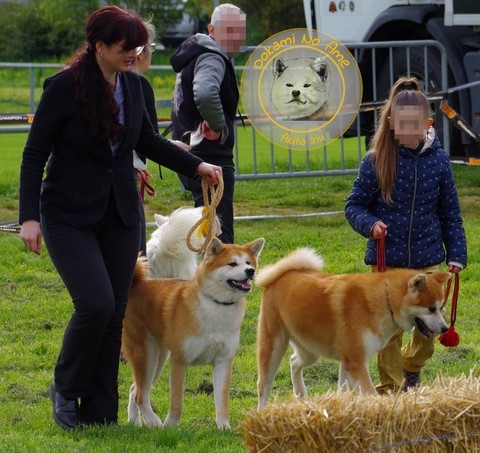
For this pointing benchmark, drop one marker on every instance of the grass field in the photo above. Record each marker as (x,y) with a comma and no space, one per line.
(34,309)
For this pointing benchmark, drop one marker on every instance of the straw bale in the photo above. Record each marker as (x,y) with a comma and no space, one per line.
(444,417)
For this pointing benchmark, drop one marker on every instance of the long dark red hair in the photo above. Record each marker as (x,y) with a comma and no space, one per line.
(110,25)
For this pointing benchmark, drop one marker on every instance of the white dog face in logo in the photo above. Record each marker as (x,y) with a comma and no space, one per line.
(301,90)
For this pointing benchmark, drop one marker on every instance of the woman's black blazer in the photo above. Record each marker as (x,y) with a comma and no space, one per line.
(81,172)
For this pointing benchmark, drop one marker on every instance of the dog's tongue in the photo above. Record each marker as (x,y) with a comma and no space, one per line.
(423,329)
(244,284)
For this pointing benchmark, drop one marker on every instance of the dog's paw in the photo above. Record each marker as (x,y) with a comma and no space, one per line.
(171,420)
(224,424)
(151,420)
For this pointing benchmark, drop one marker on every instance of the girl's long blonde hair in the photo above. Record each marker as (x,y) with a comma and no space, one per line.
(405,91)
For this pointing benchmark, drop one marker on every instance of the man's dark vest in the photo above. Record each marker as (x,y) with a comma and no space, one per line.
(188,117)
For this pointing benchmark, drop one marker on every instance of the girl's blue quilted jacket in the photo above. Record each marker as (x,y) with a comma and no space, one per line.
(424,221)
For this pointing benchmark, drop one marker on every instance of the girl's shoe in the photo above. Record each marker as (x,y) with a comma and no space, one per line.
(411,379)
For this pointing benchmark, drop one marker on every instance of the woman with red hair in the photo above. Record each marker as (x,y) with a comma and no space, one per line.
(90,118)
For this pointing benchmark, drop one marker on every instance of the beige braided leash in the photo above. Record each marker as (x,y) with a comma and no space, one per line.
(207,224)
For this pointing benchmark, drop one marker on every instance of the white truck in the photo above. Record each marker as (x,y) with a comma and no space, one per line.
(453,23)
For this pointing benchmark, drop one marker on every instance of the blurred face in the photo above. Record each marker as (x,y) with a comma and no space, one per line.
(230,32)
(144,59)
(409,124)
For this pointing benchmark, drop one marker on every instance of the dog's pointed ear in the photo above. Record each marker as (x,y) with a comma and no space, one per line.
(440,276)
(417,283)
(256,246)
(160,219)
(214,247)
(278,67)
(321,68)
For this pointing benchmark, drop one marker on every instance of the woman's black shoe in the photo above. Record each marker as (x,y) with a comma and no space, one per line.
(64,410)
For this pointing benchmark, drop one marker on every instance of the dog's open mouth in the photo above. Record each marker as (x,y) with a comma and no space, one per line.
(240,285)
(423,329)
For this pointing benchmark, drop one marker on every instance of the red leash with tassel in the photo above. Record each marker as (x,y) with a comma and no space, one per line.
(381,258)
(145,186)
(450,338)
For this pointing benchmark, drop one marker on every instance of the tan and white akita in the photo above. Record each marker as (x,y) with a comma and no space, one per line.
(347,317)
(196,322)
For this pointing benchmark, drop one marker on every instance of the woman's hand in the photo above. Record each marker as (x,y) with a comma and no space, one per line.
(144,174)
(182,145)
(210,172)
(31,234)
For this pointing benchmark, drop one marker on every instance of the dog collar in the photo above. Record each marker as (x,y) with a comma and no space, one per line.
(222,303)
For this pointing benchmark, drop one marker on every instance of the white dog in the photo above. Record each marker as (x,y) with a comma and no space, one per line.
(168,254)
(301,89)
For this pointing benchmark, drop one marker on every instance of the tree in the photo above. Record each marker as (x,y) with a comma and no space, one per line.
(162,13)
(51,30)
(38,30)
(9,33)
(272,17)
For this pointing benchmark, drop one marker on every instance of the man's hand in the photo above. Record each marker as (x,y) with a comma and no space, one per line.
(208,133)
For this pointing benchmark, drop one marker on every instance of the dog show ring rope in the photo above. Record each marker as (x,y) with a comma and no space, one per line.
(207,224)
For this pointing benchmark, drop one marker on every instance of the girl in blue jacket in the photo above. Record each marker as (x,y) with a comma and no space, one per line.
(405,186)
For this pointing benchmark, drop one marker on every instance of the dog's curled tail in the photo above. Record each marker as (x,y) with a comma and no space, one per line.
(302,259)
(142,270)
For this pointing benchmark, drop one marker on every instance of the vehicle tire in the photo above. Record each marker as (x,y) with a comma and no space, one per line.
(430,84)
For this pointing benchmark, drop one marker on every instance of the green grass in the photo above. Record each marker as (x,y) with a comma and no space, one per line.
(34,309)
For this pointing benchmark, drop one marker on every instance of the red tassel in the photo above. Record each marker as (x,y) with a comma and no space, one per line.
(450,338)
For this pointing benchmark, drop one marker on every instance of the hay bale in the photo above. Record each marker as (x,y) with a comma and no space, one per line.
(442,418)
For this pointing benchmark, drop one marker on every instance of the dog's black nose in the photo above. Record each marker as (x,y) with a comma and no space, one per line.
(295,93)
(250,272)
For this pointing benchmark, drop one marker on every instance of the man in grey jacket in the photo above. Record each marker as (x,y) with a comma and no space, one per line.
(206,100)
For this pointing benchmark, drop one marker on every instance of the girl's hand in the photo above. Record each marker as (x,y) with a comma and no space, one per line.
(376,232)
(31,234)
(454,269)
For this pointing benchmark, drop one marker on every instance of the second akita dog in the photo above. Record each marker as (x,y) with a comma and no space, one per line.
(347,317)
(197,322)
